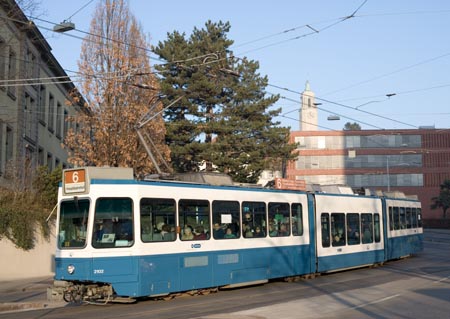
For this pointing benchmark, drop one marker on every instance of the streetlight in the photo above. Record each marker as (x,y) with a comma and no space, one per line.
(64,27)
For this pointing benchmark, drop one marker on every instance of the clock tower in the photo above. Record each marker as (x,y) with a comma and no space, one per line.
(308,110)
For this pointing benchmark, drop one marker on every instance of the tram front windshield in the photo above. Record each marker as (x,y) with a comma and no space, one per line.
(73,219)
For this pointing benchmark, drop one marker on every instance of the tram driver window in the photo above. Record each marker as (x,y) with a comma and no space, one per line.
(157,219)
(279,221)
(73,220)
(113,225)
(194,219)
(254,219)
(225,219)
(338,229)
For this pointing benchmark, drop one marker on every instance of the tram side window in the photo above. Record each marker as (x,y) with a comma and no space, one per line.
(338,229)
(391,218)
(377,227)
(113,223)
(194,219)
(225,219)
(73,218)
(419,217)
(254,219)
(367,228)
(408,217)
(279,221)
(414,217)
(157,219)
(396,218)
(402,221)
(353,230)
(325,229)
(297,219)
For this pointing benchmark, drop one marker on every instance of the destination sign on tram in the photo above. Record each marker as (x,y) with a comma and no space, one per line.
(74,181)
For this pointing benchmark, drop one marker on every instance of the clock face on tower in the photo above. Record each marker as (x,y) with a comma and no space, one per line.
(310,114)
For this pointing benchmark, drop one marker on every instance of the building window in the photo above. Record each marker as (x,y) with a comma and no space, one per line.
(11,70)
(49,162)
(9,144)
(51,112)
(2,60)
(31,66)
(65,124)
(42,103)
(29,116)
(41,159)
(58,120)
(1,146)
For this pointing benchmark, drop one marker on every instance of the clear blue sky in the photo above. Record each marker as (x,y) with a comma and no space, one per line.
(388,47)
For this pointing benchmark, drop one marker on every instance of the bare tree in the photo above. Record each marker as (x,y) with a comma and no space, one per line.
(119,88)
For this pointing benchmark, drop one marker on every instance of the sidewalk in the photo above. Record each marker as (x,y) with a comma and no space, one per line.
(26,294)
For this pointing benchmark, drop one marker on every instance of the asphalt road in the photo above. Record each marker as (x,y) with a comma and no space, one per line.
(416,287)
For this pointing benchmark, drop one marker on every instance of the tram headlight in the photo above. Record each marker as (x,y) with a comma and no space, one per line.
(71,269)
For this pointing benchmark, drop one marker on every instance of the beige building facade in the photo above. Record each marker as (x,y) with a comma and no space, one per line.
(35,101)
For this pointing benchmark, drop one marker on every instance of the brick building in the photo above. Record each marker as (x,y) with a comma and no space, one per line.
(415,161)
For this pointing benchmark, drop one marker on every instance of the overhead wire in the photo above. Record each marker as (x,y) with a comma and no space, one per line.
(390,73)
(314,30)
(345,106)
(217,60)
(84,6)
(344,116)
(147,49)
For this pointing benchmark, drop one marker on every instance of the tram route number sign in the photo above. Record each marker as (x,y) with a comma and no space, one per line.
(75,181)
(290,184)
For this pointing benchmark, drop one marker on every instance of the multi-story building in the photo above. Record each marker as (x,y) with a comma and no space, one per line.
(415,162)
(35,98)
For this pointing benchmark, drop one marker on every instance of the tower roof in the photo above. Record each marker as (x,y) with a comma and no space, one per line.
(307,87)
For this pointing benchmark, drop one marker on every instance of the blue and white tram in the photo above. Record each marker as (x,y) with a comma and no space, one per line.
(122,238)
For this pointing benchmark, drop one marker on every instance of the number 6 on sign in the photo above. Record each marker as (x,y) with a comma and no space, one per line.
(74,181)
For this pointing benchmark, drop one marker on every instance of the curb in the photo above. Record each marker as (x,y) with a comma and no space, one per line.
(9,307)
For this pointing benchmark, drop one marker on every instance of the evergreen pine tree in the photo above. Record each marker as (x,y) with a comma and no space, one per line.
(224,120)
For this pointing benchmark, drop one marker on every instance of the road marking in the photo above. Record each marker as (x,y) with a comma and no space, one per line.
(376,301)
(441,280)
